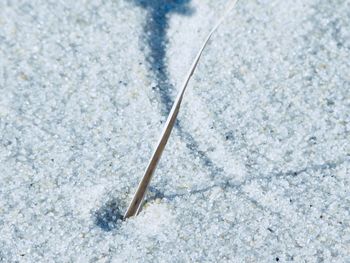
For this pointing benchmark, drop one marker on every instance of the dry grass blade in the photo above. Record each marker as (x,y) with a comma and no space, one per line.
(136,202)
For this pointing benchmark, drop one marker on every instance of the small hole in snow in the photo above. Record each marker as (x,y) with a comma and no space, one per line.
(109,216)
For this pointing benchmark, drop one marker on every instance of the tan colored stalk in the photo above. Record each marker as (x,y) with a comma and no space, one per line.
(136,203)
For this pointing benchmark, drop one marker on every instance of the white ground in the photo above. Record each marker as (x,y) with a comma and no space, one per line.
(258,172)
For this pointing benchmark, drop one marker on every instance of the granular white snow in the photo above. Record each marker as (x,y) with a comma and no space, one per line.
(257,170)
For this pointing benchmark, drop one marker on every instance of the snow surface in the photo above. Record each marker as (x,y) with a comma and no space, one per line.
(257,169)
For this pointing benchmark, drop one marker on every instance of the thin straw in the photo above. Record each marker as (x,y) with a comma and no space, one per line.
(136,203)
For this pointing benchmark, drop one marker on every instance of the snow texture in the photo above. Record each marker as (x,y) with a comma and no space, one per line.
(257,168)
